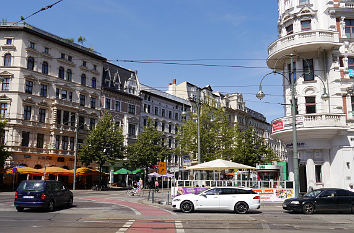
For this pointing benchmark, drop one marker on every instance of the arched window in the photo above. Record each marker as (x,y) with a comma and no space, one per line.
(45,67)
(68,74)
(7,59)
(83,79)
(30,63)
(94,82)
(61,72)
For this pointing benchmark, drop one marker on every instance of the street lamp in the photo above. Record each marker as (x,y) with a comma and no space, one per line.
(260,95)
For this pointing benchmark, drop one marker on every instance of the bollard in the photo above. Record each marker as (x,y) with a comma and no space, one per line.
(152,197)
(168,197)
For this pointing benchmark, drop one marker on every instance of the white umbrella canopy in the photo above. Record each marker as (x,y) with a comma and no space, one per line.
(219,165)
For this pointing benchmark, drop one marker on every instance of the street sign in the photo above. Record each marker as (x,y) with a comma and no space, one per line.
(14,169)
(162,168)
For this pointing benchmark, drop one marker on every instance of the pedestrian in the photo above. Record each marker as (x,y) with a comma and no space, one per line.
(156,186)
(351,187)
(141,182)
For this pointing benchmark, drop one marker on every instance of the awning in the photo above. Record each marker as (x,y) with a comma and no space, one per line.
(122,171)
(219,165)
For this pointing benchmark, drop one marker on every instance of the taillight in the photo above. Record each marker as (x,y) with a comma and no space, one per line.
(43,196)
(257,197)
(16,195)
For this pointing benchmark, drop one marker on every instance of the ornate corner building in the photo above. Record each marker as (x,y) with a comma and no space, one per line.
(319,35)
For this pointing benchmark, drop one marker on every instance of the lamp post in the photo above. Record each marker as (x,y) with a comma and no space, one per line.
(198,119)
(76,152)
(260,95)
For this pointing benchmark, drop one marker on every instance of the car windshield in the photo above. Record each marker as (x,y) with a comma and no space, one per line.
(313,193)
(31,186)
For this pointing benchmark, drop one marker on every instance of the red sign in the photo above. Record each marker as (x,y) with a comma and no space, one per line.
(277,125)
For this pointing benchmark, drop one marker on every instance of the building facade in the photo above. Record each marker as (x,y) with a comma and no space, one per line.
(49,88)
(318,35)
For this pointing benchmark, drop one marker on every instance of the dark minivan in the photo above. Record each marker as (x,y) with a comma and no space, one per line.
(46,194)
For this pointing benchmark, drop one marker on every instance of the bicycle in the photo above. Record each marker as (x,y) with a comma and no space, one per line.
(135,192)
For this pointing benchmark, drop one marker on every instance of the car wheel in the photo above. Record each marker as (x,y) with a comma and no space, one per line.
(308,208)
(241,208)
(19,209)
(187,207)
(70,202)
(51,206)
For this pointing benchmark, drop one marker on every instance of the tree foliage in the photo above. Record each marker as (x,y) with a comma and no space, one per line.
(148,149)
(219,139)
(105,143)
(4,154)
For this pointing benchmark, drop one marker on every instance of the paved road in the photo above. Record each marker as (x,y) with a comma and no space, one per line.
(113,211)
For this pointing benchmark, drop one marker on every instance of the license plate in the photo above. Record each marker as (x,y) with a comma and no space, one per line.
(28,196)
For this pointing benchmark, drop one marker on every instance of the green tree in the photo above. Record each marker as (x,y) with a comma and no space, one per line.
(251,149)
(105,143)
(81,40)
(4,154)
(148,149)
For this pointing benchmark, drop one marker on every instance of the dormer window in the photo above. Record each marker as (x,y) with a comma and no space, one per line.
(9,41)
(62,55)
(32,45)
(84,63)
(46,50)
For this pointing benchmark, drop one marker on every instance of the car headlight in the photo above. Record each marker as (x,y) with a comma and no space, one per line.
(176,199)
(295,202)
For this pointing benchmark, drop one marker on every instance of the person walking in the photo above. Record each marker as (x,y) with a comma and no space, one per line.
(156,186)
(141,183)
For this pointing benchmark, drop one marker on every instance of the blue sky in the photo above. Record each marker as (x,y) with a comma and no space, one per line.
(173,30)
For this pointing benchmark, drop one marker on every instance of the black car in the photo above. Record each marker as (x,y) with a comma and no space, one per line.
(322,200)
(42,194)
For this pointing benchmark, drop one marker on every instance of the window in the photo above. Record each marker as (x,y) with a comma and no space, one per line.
(144,122)
(131,129)
(46,50)
(349,28)
(308,70)
(65,143)
(176,116)
(25,138)
(61,72)
(163,127)
(352,102)
(70,96)
(69,75)
(58,117)
(30,63)
(66,116)
(156,124)
(40,140)
(70,58)
(45,67)
(72,119)
(7,59)
(93,102)
(83,79)
(108,103)
(92,123)
(306,25)
(93,82)
(57,142)
(117,106)
(84,63)
(94,67)
(351,67)
(318,173)
(64,94)
(176,129)
(169,114)
(289,29)
(81,122)
(303,2)
(170,128)
(41,116)
(62,55)
(8,41)
(5,86)
(3,110)
(170,142)
(57,92)
(29,87)
(163,112)
(32,45)
(72,143)
(310,102)
(156,111)
(82,100)
(131,109)
(27,113)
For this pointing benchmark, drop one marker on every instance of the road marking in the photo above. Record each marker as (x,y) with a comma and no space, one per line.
(126,226)
(179,227)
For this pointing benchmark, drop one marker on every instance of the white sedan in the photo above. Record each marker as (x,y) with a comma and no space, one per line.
(222,198)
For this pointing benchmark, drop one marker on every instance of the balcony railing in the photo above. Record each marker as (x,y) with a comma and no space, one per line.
(309,121)
(318,36)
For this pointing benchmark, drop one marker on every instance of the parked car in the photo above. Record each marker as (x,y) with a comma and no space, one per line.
(222,198)
(47,194)
(322,200)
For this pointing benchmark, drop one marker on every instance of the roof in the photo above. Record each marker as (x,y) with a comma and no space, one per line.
(163,94)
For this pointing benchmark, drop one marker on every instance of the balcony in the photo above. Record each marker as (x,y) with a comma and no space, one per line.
(301,42)
(309,126)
